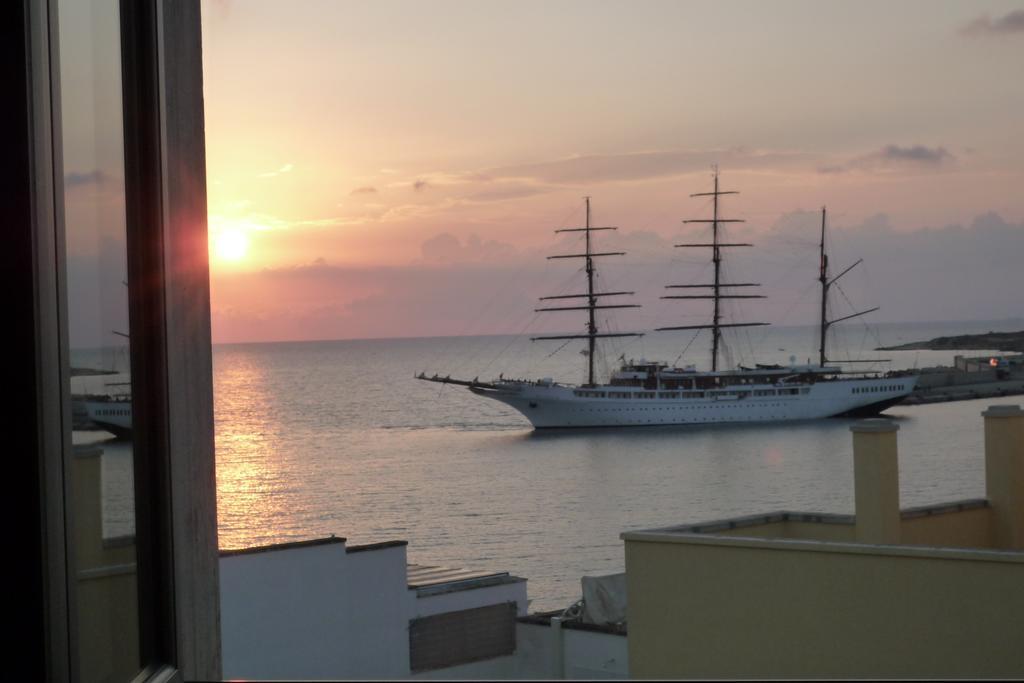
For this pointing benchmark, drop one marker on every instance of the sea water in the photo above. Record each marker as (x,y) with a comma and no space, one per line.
(337,437)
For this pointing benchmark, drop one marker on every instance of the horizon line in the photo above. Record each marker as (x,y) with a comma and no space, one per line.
(509,334)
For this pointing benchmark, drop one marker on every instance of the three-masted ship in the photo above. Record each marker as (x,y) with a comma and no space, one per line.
(646,392)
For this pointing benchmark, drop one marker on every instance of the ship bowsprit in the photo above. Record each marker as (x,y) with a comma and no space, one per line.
(471,383)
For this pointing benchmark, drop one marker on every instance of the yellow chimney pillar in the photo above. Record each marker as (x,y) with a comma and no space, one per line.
(876,481)
(86,509)
(1004,474)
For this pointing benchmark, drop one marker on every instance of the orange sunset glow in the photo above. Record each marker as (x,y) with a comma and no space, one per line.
(388,157)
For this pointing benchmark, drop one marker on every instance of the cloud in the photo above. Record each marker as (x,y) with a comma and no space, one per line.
(1004,25)
(914,275)
(447,248)
(81,179)
(471,187)
(499,184)
(470,285)
(916,154)
(639,165)
(364,190)
(284,169)
(262,222)
(333,222)
(892,157)
(509,191)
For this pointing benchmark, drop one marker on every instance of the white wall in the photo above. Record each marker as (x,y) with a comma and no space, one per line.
(595,655)
(549,654)
(538,652)
(536,657)
(467,599)
(379,623)
(315,612)
(499,668)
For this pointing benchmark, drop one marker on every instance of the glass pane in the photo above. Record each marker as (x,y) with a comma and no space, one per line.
(101,508)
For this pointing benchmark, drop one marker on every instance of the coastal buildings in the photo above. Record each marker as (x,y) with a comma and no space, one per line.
(928,592)
(970,377)
(322,609)
(1007,363)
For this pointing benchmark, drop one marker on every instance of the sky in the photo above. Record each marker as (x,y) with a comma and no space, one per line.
(380,169)
(92,134)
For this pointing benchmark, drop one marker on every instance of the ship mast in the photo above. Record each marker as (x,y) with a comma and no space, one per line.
(823,279)
(716,286)
(826,283)
(591,296)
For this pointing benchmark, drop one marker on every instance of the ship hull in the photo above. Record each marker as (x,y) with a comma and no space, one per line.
(112,416)
(557,406)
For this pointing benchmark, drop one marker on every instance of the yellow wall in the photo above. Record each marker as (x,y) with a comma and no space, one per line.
(108,623)
(1004,473)
(815,531)
(751,610)
(106,596)
(971,528)
(960,529)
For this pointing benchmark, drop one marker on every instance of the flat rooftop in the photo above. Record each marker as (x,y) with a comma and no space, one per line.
(735,525)
(433,580)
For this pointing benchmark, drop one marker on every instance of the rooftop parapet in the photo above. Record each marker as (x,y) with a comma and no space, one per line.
(929,592)
(1004,474)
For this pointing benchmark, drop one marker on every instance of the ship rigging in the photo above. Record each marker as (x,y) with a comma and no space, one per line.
(591,296)
(717,285)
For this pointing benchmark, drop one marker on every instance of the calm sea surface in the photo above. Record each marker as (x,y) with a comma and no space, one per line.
(315,438)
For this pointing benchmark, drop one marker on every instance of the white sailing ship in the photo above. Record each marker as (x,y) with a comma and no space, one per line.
(642,393)
(111,411)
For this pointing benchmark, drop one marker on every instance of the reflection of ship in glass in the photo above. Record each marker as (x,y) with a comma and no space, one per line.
(111,410)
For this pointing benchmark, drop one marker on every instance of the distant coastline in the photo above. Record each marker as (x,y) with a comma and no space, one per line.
(905,326)
(999,341)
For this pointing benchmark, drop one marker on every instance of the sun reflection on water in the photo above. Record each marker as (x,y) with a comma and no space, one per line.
(248,459)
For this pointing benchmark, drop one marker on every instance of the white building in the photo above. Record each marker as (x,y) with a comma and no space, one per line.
(322,609)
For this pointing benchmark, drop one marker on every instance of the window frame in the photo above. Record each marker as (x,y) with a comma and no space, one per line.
(168,276)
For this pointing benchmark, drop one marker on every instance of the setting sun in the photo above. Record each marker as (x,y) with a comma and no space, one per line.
(231,245)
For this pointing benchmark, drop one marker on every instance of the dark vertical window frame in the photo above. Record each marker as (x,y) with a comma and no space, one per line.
(29,276)
(143,219)
(169,300)
(186,468)
(169,261)
(57,403)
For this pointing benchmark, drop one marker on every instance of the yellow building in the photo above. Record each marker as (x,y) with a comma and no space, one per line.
(106,578)
(929,592)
